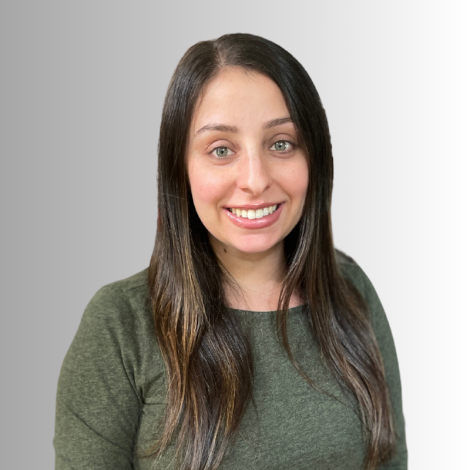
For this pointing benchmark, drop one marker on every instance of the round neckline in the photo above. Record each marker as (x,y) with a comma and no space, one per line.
(297,309)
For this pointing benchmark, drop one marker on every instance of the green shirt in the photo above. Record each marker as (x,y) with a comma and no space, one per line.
(112,387)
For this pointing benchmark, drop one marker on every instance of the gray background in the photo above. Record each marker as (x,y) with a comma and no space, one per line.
(82,87)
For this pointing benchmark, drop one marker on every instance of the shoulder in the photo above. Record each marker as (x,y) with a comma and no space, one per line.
(118,315)
(107,374)
(131,292)
(349,267)
(351,271)
(113,322)
(116,334)
(119,300)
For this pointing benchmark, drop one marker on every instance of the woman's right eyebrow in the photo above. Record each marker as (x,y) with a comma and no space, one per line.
(234,129)
(218,127)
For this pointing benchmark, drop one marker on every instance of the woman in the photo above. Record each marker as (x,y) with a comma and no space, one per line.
(249,342)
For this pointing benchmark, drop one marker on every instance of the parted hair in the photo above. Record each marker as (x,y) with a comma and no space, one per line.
(208,358)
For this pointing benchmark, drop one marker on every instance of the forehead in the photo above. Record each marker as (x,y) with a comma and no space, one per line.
(238,97)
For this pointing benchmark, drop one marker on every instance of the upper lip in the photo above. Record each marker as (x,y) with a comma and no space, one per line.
(259,205)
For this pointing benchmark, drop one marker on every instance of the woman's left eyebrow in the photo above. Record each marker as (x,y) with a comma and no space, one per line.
(234,129)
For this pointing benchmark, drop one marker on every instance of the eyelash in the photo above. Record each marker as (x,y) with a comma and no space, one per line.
(281,152)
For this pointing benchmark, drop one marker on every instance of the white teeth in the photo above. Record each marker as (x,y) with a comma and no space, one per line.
(254,214)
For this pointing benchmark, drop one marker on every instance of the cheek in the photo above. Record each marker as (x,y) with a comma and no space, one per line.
(296,181)
(206,188)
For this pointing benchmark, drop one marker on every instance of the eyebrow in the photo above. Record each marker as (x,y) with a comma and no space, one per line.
(227,128)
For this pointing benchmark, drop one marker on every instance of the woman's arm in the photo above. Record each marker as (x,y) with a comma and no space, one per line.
(98,405)
(386,344)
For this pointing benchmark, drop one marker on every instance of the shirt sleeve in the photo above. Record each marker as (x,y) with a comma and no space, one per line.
(98,405)
(386,345)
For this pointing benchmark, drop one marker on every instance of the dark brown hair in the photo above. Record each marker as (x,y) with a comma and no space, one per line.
(208,358)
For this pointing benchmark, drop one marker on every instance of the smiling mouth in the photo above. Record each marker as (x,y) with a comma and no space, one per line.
(254,213)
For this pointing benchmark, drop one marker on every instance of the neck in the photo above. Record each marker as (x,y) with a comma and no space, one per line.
(258,277)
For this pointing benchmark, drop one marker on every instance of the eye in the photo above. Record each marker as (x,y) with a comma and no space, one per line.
(220,152)
(283,146)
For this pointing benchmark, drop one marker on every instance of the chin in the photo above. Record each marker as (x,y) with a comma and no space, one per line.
(254,246)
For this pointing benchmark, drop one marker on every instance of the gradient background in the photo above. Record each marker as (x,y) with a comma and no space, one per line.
(82,88)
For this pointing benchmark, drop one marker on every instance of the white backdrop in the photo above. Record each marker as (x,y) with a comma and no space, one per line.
(82,88)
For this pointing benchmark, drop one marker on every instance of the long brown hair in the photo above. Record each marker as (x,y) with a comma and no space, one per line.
(207,356)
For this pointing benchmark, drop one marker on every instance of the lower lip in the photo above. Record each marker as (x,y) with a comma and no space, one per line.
(264,222)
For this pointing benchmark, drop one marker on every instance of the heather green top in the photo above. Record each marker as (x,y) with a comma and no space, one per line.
(112,384)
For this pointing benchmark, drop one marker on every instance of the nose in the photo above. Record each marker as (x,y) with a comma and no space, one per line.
(254,175)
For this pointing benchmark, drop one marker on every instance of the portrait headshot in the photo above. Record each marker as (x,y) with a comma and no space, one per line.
(235,242)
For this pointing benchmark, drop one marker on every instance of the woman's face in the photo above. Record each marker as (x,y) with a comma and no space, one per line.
(247,173)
